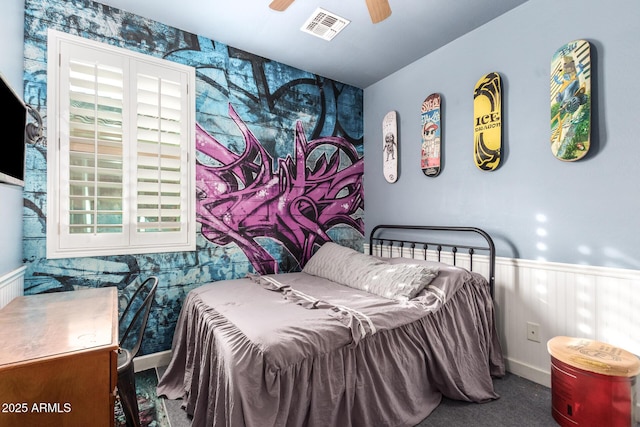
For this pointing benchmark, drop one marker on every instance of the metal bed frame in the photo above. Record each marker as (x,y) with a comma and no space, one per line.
(410,245)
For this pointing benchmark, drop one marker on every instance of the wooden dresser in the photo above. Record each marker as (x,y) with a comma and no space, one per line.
(58,359)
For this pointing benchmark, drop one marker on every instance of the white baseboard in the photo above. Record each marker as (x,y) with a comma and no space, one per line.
(148,361)
(528,372)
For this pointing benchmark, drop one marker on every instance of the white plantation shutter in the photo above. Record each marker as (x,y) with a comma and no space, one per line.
(122,170)
(95,149)
(160,154)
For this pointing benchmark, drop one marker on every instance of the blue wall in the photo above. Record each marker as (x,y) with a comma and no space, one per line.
(11,29)
(535,206)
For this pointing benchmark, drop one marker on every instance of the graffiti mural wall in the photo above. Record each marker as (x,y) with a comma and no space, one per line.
(279,163)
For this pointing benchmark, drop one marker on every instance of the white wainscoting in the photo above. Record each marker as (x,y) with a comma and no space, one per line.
(564,299)
(11,285)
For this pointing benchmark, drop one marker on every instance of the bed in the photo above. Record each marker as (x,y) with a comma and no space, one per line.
(353,339)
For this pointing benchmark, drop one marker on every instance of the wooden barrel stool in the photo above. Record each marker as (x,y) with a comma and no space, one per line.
(592,383)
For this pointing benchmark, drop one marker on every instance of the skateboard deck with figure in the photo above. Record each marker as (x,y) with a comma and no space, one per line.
(487,122)
(430,149)
(390,147)
(571,101)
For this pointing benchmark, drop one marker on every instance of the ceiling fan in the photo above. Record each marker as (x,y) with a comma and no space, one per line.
(379,10)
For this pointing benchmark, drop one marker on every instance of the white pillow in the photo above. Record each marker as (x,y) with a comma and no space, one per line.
(339,263)
(354,269)
(401,282)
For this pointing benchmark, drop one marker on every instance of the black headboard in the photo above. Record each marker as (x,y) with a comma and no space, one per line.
(438,239)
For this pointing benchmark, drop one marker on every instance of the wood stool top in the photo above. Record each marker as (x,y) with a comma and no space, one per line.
(594,356)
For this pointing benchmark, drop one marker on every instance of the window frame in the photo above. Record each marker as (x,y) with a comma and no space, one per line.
(61,243)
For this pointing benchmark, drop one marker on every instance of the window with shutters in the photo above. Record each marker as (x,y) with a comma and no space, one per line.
(121,151)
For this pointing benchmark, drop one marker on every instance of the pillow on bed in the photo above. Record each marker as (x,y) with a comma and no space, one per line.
(401,282)
(354,269)
(450,278)
(339,263)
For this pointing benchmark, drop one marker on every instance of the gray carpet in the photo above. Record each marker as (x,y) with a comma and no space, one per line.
(522,403)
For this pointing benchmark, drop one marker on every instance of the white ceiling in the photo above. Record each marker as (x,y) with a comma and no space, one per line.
(362,54)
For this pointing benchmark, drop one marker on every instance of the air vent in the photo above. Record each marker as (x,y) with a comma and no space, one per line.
(323,24)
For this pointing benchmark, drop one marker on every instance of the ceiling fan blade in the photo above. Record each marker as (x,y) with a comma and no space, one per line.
(280,5)
(379,10)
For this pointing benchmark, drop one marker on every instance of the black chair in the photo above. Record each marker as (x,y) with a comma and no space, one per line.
(133,322)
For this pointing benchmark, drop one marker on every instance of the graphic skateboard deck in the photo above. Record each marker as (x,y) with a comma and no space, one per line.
(390,147)
(487,122)
(571,101)
(430,151)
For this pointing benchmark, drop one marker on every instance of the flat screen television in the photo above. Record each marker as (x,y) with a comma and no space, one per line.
(13,121)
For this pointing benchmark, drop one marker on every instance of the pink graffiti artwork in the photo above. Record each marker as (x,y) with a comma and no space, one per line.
(241,198)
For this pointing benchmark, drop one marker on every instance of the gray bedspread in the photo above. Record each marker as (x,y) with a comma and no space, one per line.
(312,352)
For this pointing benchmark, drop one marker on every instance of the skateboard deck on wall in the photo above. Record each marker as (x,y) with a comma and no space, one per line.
(390,147)
(571,101)
(487,122)
(430,150)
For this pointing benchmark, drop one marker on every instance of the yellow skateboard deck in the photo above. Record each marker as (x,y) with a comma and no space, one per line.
(571,101)
(487,122)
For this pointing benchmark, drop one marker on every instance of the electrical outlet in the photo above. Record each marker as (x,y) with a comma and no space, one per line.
(533,332)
